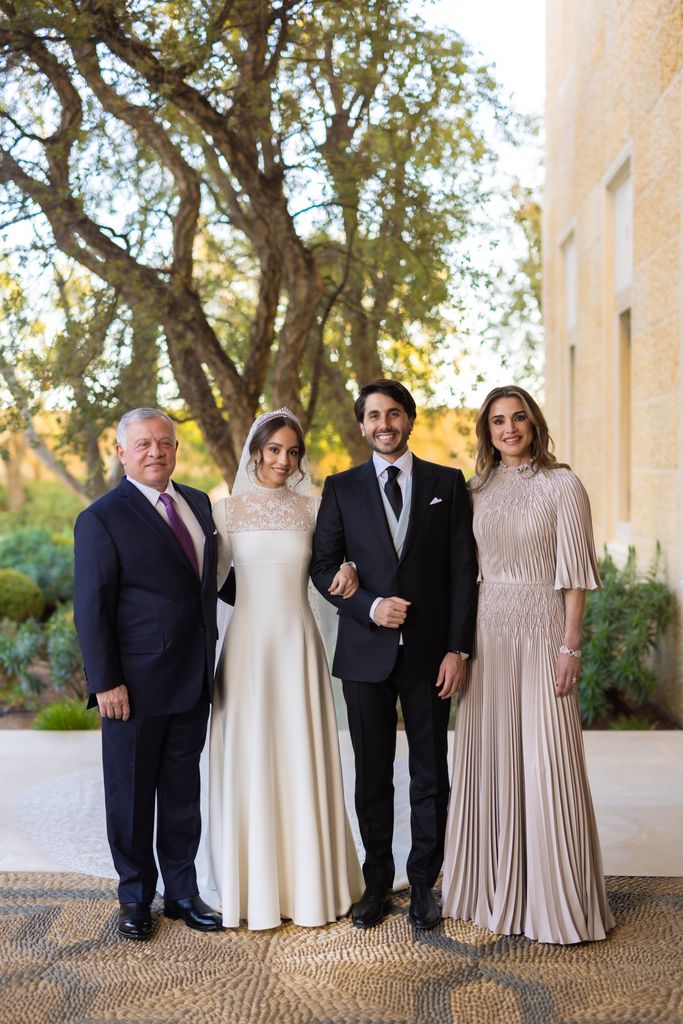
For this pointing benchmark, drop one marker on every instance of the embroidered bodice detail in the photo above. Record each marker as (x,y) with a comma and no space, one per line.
(270,508)
(535,539)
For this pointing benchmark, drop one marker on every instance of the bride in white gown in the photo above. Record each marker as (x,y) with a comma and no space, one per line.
(279,838)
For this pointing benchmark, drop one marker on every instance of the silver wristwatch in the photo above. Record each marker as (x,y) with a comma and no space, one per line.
(461,655)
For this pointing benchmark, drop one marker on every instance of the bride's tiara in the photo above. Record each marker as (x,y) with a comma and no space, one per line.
(282,411)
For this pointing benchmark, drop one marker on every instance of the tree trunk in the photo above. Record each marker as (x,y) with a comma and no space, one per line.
(16,492)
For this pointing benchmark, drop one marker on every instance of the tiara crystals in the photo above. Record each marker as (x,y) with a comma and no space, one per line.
(267,416)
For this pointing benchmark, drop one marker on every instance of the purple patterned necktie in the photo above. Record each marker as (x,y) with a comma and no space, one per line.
(181,531)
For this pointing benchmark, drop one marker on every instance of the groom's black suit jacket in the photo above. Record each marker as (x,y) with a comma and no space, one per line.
(437,570)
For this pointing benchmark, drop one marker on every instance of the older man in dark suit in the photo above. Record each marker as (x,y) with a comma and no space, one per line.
(145,613)
(405,634)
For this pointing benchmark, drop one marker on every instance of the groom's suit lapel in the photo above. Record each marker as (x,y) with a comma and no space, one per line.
(367,489)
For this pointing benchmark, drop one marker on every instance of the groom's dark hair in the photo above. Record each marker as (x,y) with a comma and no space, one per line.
(393,389)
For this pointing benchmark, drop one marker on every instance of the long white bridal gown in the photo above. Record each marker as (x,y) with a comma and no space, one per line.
(280,842)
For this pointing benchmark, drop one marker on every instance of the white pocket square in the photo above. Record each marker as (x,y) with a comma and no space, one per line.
(436,501)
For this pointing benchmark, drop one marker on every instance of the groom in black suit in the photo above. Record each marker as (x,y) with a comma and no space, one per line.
(405,634)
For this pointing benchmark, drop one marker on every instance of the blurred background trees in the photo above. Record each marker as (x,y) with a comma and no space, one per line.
(220,205)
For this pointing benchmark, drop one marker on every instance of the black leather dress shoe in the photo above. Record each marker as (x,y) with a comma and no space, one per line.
(135,920)
(424,910)
(195,913)
(372,906)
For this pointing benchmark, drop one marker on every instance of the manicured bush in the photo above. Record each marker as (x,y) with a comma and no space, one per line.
(20,645)
(20,597)
(66,714)
(46,557)
(63,652)
(622,625)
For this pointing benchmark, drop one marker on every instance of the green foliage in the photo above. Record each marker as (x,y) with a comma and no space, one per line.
(48,504)
(20,597)
(20,645)
(46,557)
(632,723)
(64,653)
(66,714)
(621,627)
(276,199)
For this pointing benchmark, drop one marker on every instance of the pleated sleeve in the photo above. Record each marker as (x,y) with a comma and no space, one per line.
(223,540)
(576,565)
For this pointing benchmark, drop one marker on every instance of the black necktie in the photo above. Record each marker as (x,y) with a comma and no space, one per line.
(393,492)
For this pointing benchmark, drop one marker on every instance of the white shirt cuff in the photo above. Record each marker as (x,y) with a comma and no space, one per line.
(373,608)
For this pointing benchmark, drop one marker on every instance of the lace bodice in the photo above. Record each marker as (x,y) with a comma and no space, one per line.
(267,508)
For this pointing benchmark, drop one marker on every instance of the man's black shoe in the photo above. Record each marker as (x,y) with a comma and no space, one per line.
(424,910)
(135,921)
(372,906)
(194,912)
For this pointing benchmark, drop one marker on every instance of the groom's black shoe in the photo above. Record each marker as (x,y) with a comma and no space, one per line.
(195,913)
(135,921)
(424,910)
(372,906)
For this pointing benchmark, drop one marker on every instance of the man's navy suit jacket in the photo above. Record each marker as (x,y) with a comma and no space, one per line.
(142,615)
(437,570)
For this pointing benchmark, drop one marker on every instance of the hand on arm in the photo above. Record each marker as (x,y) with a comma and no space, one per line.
(568,666)
(452,673)
(345,582)
(114,703)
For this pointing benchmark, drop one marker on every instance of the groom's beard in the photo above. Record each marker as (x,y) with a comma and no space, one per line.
(397,445)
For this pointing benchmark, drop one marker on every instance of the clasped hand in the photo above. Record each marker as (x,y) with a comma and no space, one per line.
(114,703)
(345,582)
(391,612)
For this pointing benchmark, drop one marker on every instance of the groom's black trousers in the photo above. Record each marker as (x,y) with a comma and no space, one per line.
(154,762)
(372,724)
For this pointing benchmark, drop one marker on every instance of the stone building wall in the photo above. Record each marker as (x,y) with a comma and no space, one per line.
(613,280)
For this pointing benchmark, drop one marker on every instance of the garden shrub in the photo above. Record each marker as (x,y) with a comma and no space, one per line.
(66,714)
(20,597)
(20,645)
(63,652)
(46,557)
(49,504)
(622,625)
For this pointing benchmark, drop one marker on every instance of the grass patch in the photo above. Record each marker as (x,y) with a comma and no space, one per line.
(66,715)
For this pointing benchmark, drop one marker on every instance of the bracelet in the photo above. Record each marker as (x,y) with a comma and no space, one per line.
(568,650)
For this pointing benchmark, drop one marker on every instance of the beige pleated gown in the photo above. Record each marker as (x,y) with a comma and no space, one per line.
(522,850)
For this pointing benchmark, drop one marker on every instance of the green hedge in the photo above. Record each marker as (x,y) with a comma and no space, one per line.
(46,557)
(20,597)
(622,625)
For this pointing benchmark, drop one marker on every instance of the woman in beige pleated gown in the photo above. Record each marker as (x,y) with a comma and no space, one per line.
(522,849)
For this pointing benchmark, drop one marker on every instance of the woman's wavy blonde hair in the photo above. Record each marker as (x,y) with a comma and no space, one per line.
(542,445)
